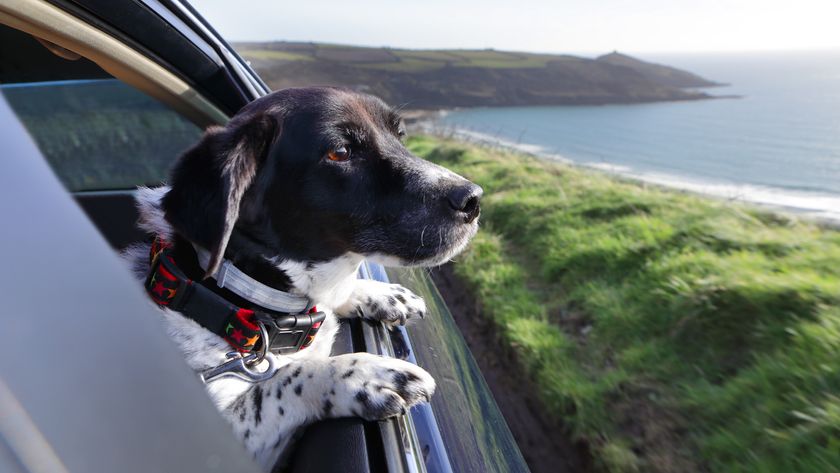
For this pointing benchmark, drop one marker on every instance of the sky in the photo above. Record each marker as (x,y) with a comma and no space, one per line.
(570,26)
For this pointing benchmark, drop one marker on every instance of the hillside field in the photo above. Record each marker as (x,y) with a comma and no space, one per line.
(429,79)
(670,332)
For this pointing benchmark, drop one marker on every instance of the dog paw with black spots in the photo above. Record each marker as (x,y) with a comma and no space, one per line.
(375,388)
(391,304)
(353,385)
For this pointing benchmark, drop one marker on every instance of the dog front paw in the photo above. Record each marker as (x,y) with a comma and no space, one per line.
(377,388)
(393,304)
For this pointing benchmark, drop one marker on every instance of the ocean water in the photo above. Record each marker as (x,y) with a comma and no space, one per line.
(777,144)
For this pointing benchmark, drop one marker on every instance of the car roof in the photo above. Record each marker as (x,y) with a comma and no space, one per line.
(177,37)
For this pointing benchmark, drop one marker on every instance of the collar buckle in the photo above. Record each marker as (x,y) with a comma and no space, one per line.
(290,333)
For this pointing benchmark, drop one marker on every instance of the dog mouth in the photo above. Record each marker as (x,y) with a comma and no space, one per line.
(427,245)
(447,247)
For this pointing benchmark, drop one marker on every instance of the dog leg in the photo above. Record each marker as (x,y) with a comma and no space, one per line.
(390,304)
(303,391)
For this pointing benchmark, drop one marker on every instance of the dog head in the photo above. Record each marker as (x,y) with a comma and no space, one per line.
(312,174)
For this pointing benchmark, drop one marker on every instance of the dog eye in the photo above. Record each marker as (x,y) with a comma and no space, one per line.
(339,154)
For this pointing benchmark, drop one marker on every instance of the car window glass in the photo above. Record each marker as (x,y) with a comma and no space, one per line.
(95,131)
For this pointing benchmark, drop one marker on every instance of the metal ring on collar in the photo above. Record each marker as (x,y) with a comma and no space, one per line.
(264,349)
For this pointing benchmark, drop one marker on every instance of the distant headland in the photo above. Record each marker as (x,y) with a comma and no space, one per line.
(436,79)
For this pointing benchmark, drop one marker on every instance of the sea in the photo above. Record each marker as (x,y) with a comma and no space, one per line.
(773,138)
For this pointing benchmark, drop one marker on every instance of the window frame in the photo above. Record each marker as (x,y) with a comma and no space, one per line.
(46,21)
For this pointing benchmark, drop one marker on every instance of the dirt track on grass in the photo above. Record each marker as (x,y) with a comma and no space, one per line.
(546,445)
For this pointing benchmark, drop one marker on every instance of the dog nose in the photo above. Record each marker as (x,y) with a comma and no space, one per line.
(463,199)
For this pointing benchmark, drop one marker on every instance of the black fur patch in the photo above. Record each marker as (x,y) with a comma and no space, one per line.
(328,405)
(257,399)
(400,380)
(210,179)
(363,398)
(238,407)
(298,389)
(348,374)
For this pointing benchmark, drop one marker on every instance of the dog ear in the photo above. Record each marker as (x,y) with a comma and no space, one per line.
(208,182)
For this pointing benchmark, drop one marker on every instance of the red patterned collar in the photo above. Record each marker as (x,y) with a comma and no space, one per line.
(243,328)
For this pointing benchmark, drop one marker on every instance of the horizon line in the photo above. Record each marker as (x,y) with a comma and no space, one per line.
(814,49)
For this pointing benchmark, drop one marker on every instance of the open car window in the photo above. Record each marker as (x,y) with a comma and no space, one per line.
(95,131)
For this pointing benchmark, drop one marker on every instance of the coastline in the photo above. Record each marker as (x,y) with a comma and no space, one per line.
(822,209)
(658,326)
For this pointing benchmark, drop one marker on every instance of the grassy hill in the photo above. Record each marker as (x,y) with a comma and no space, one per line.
(670,332)
(663,75)
(426,79)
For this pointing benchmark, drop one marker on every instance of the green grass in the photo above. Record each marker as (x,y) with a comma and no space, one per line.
(404,65)
(403,60)
(271,55)
(429,55)
(671,332)
(416,61)
(501,59)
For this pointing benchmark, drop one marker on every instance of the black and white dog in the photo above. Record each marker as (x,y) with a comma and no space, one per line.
(296,191)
